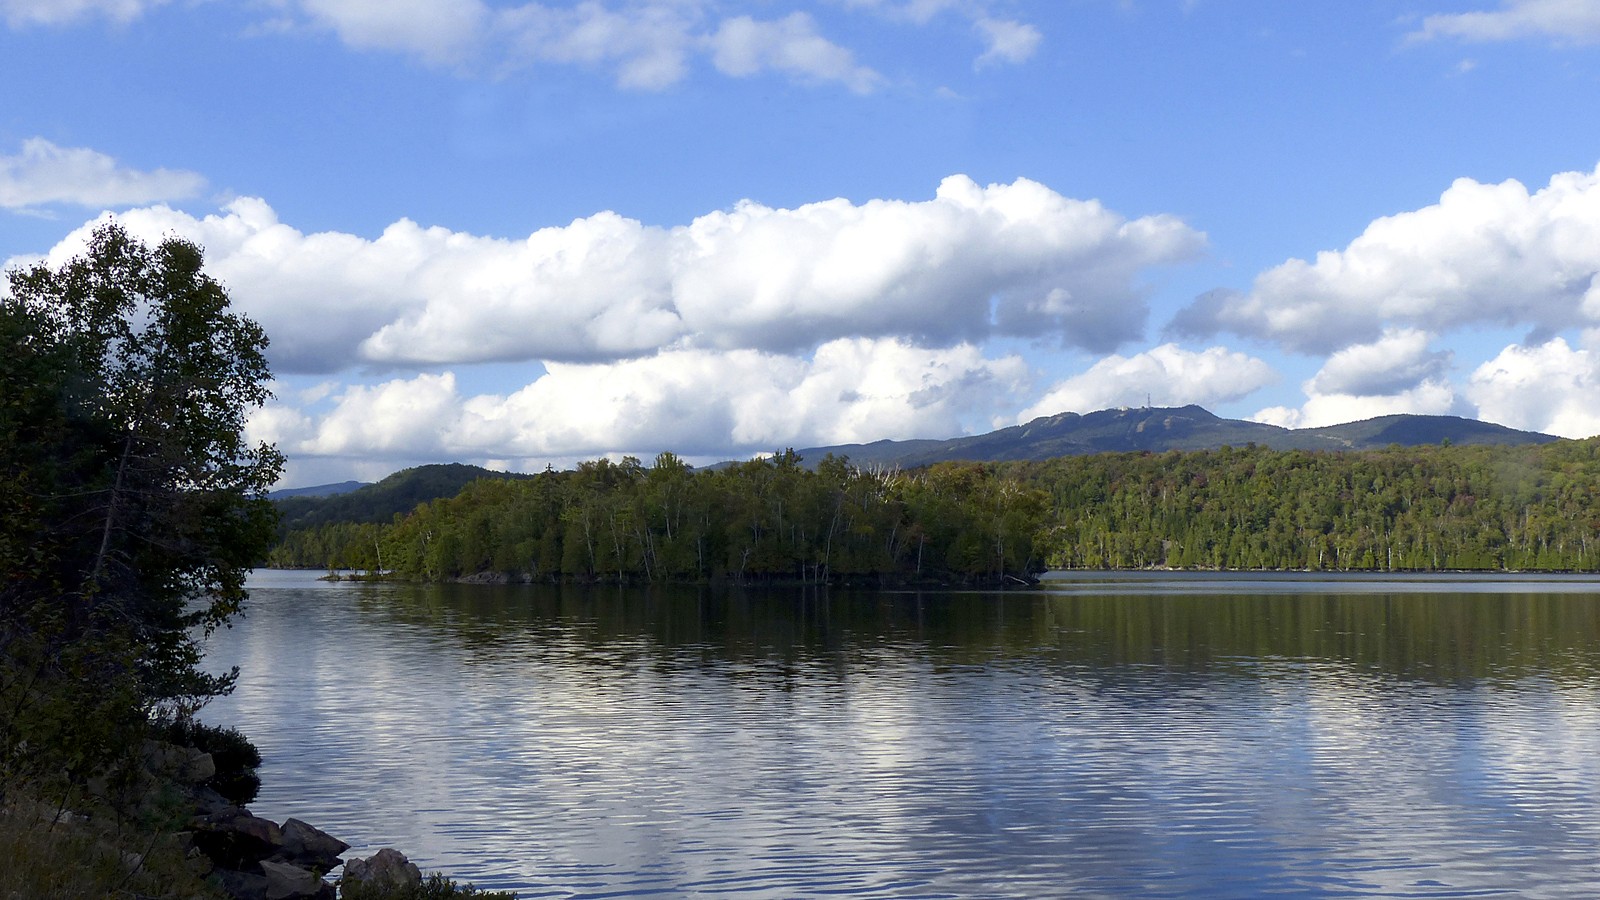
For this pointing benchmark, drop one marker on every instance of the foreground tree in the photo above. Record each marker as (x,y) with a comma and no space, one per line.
(131,506)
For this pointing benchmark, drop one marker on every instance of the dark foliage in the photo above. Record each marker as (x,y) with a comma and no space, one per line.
(235,757)
(433,887)
(131,507)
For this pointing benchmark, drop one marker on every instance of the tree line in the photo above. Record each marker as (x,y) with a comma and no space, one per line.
(766,520)
(1437,508)
(1523,508)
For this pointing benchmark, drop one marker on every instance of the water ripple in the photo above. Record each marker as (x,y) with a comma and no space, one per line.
(595,744)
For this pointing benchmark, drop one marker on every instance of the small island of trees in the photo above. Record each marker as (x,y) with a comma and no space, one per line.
(765,520)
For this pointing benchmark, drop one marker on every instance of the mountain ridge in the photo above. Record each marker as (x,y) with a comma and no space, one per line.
(1152,429)
(1159,429)
(398,492)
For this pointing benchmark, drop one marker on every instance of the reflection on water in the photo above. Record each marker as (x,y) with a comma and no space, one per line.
(1105,736)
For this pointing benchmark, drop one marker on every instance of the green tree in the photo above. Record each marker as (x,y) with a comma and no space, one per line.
(131,506)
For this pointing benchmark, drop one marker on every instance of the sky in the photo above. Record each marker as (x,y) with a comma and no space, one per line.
(522,233)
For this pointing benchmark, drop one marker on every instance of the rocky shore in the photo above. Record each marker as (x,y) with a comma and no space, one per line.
(251,858)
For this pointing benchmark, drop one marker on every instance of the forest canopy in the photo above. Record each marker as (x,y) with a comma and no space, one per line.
(769,519)
(1434,508)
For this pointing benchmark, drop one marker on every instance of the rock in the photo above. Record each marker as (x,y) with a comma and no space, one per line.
(193,859)
(306,845)
(234,839)
(241,885)
(208,802)
(182,764)
(388,869)
(286,881)
(199,767)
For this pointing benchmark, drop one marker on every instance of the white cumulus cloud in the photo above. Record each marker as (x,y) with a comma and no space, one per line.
(971,263)
(1397,362)
(1397,373)
(44,174)
(1549,388)
(1484,254)
(1167,375)
(1431,398)
(1563,21)
(974,261)
(688,401)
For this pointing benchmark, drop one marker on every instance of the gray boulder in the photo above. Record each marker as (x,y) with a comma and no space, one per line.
(234,839)
(286,881)
(309,846)
(241,885)
(388,869)
(183,764)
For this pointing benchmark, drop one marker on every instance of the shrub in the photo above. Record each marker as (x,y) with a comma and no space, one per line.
(50,853)
(236,758)
(433,887)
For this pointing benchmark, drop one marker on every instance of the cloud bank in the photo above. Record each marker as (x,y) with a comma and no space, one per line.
(1485,257)
(1485,254)
(693,402)
(750,328)
(971,263)
(1550,387)
(1167,375)
(1397,373)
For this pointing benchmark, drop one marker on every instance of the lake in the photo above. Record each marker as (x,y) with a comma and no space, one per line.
(1107,735)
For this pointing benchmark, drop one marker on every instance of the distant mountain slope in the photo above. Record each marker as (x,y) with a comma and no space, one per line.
(1414,431)
(398,493)
(1161,429)
(318,490)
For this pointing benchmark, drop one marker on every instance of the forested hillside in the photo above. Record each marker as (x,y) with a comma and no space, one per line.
(1423,508)
(381,502)
(1160,429)
(1533,507)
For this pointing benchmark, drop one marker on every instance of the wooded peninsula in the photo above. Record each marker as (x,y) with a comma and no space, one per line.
(1429,508)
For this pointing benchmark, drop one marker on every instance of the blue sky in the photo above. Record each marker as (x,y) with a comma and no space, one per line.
(519,233)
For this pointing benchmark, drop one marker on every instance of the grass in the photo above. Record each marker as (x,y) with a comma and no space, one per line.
(433,887)
(46,854)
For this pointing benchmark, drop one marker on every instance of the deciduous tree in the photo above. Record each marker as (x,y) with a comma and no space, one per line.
(131,505)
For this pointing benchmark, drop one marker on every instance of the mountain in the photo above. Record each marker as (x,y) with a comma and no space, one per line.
(1158,429)
(318,490)
(1067,434)
(1414,431)
(398,493)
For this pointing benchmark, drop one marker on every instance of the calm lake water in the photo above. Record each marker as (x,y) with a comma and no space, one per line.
(1105,736)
